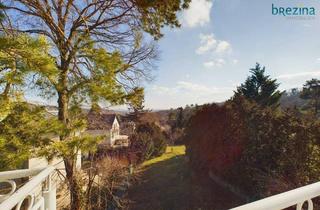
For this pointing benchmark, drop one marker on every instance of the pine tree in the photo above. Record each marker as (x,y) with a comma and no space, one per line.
(100,53)
(260,88)
(24,128)
(23,133)
(20,57)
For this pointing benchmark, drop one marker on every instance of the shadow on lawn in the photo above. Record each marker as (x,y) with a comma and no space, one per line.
(169,185)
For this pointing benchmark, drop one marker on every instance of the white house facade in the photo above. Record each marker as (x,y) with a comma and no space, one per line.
(116,139)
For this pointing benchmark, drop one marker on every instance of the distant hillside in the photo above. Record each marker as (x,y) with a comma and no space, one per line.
(291,98)
(54,110)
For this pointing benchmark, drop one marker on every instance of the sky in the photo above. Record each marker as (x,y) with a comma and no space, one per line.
(219,41)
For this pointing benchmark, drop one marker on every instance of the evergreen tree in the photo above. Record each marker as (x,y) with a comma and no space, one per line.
(24,128)
(311,91)
(260,88)
(148,141)
(100,55)
(24,131)
(21,56)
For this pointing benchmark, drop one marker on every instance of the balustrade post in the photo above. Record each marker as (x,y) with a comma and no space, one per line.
(49,195)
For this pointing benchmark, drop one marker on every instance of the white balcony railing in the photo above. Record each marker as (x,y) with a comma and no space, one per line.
(38,193)
(297,197)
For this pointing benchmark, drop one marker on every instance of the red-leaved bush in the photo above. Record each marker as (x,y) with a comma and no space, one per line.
(256,149)
(214,138)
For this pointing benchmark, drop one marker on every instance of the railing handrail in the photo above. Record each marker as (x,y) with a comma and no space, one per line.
(26,189)
(16,174)
(284,200)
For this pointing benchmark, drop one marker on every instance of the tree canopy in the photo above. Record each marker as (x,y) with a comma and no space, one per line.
(102,52)
(20,56)
(24,131)
(311,91)
(101,48)
(258,150)
(260,88)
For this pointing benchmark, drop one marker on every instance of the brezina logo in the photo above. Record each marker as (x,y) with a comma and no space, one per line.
(293,11)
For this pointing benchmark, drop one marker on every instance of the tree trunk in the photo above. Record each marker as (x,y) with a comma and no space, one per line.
(63,108)
(74,186)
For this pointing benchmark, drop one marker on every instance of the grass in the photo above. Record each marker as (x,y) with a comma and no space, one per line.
(166,183)
(171,151)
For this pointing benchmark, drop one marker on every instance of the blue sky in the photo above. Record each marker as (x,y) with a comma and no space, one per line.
(210,55)
(220,40)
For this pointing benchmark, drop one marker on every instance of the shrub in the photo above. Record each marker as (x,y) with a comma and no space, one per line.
(148,141)
(259,150)
(176,136)
(214,139)
(107,179)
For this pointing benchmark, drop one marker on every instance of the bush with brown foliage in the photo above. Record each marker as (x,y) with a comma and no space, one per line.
(258,150)
(214,138)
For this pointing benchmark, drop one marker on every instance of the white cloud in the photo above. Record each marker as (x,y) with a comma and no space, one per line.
(209,44)
(318,60)
(223,46)
(195,90)
(189,88)
(186,92)
(209,64)
(161,89)
(215,63)
(235,61)
(299,75)
(198,14)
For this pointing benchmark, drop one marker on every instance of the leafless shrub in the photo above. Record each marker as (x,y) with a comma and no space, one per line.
(107,183)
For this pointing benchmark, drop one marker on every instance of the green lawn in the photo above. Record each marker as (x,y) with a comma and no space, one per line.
(166,183)
(171,151)
(163,182)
